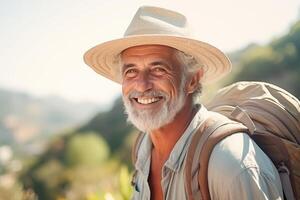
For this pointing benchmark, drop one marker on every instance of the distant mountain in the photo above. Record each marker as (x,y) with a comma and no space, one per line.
(24,118)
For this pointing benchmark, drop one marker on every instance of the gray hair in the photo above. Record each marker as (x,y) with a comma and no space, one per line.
(118,70)
(190,66)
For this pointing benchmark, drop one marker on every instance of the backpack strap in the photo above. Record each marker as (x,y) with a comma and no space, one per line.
(284,174)
(212,131)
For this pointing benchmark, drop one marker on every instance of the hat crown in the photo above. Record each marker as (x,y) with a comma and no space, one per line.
(157,26)
(155,20)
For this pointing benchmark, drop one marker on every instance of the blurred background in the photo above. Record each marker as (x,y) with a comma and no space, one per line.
(63,134)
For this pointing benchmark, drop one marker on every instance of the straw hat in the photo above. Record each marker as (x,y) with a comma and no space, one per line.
(154,25)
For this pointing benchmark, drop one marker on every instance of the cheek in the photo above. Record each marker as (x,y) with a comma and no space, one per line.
(126,88)
(171,85)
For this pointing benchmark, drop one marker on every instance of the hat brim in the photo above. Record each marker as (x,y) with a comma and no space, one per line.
(103,58)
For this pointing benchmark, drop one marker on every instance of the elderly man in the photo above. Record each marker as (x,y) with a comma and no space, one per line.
(161,70)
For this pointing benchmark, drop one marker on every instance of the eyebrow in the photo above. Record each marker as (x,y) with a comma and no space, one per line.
(155,63)
(126,66)
(159,63)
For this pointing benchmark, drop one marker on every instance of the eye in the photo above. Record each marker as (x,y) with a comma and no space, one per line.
(158,71)
(130,73)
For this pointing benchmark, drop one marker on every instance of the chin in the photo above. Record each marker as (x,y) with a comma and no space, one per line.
(148,120)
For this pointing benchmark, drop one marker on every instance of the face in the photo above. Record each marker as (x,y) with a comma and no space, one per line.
(153,86)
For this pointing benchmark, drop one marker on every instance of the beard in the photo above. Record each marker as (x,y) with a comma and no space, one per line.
(147,120)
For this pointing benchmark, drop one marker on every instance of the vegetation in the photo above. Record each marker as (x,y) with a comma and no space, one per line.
(86,164)
(78,167)
(111,124)
(88,149)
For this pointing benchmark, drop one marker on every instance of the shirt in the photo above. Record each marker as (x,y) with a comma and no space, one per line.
(238,169)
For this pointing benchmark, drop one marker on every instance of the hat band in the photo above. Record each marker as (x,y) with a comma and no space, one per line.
(156,32)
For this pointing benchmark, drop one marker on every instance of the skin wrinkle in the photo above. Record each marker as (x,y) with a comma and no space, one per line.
(126,66)
(173,102)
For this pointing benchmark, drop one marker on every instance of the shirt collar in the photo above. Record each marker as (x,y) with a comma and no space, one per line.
(178,153)
(144,155)
(180,149)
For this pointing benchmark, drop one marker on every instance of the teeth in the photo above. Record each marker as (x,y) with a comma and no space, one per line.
(148,100)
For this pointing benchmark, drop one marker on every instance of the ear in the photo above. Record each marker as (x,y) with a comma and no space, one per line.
(194,81)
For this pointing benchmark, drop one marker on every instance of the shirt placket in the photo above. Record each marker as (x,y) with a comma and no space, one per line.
(167,178)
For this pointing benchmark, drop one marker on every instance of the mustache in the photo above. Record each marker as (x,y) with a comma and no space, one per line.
(151,93)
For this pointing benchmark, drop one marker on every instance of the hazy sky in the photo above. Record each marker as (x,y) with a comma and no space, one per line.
(43,41)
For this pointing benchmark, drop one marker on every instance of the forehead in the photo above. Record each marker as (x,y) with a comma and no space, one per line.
(148,50)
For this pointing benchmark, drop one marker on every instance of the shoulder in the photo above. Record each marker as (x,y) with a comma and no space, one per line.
(231,156)
(236,153)
(237,161)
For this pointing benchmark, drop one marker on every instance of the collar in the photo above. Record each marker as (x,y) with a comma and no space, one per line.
(179,151)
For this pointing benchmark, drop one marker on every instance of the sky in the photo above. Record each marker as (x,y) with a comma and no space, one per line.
(43,41)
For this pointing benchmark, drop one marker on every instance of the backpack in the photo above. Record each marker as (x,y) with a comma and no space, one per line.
(271,117)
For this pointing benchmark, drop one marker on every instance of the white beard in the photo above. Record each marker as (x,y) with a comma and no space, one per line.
(148,120)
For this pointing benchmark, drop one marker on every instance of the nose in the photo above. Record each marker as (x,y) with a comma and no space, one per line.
(143,83)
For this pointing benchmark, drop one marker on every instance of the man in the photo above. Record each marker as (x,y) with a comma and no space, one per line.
(162,70)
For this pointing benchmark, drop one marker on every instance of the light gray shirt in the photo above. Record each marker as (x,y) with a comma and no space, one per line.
(238,169)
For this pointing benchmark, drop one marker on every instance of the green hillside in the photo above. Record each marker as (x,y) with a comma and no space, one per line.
(89,158)
(111,124)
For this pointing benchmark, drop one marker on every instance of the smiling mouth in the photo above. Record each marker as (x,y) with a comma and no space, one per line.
(146,101)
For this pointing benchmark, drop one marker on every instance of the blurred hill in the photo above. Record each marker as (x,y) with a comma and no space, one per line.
(277,62)
(85,159)
(25,119)
(111,124)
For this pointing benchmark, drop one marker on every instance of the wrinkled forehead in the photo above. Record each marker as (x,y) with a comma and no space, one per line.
(145,50)
(158,52)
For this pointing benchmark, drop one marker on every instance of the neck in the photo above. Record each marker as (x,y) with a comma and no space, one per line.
(165,138)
